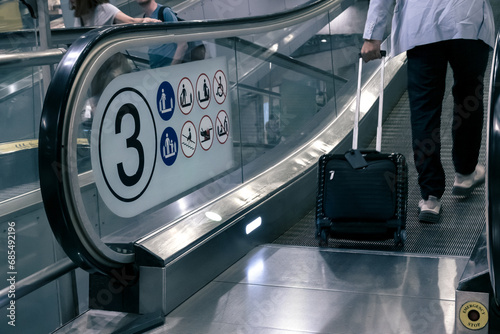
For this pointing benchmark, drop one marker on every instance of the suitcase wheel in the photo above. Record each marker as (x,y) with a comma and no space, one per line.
(324,234)
(400,237)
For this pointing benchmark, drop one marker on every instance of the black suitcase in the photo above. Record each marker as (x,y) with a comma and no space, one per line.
(362,194)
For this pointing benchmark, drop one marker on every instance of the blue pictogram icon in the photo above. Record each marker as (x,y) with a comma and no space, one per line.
(165,100)
(169,146)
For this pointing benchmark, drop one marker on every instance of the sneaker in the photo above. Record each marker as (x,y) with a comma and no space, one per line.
(465,184)
(429,210)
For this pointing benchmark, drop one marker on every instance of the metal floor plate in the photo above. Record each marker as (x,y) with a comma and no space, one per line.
(278,289)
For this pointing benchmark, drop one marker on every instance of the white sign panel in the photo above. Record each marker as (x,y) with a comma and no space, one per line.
(160,132)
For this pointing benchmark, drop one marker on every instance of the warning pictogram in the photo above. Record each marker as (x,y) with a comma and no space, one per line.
(220,87)
(203,91)
(222,126)
(206,133)
(188,139)
(185,95)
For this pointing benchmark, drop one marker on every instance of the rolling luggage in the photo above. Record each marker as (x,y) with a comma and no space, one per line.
(362,194)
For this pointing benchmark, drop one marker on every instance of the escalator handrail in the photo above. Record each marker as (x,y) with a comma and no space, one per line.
(35,58)
(493,176)
(36,280)
(59,36)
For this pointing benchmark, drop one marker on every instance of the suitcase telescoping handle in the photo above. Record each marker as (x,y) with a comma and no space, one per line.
(378,146)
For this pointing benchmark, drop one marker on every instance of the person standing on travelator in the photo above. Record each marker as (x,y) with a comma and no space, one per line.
(435,33)
(165,54)
(91,13)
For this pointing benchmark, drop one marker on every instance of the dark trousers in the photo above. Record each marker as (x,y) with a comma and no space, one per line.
(427,65)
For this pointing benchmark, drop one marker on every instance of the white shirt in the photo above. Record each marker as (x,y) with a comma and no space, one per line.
(102,15)
(420,22)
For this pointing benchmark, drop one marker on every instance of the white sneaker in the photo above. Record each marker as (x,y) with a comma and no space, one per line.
(465,184)
(429,210)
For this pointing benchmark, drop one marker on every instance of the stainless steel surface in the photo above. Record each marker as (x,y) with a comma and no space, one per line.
(97,322)
(286,289)
(467,301)
(37,280)
(31,199)
(45,41)
(19,85)
(208,257)
(283,289)
(18,204)
(152,287)
(34,58)
(478,261)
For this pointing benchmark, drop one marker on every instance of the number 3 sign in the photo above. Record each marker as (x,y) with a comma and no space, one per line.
(127,158)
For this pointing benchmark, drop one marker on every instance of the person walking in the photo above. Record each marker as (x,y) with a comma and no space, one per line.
(435,33)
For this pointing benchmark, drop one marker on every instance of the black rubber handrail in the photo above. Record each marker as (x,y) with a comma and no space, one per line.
(493,176)
(66,36)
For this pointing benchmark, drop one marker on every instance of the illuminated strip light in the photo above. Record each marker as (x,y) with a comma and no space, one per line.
(253,225)
(15,146)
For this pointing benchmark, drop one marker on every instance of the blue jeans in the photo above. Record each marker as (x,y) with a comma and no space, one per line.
(427,65)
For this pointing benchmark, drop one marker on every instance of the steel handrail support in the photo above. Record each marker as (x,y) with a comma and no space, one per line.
(36,280)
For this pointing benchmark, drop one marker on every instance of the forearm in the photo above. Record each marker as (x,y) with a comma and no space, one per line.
(179,53)
(121,17)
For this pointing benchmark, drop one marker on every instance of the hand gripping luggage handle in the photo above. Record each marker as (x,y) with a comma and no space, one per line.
(355,133)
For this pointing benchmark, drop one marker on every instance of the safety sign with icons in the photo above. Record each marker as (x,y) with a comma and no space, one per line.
(206,133)
(165,100)
(188,139)
(220,87)
(147,151)
(185,95)
(222,126)
(203,91)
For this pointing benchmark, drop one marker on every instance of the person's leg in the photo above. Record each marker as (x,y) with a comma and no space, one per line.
(427,66)
(468,59)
